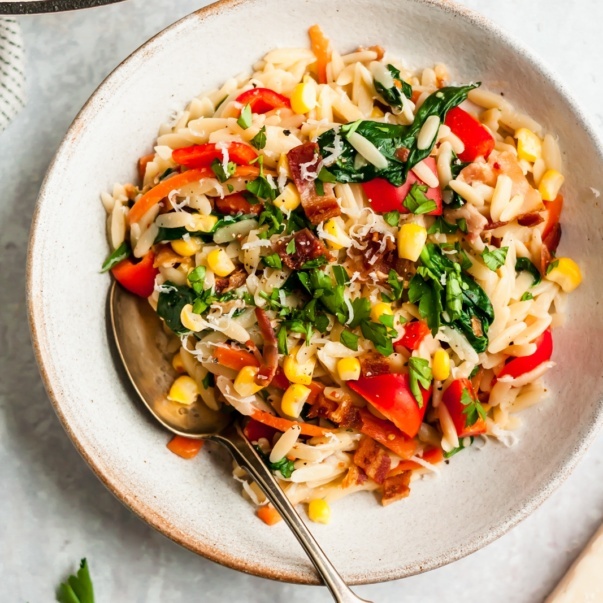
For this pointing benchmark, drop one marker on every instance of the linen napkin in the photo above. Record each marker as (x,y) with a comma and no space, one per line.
(12,73)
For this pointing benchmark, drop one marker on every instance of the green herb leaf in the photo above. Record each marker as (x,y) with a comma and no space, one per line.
(282,341)
(526,296)
(273,261)
(495,258)
(440,225)
(416,202)
(389,139)
(259,140)
(362,311)
(320,188)
(285,466)
(397,285)
(218,169)
(392,217)
(245,118)
(462,224)
(325,176)
(394,96)
(318,262)
(341,275)
(526,264)
(196,278)
(261,187)
(473,409)
(272,216)
(290,249)
(208,381)
(419,373)
(387,320)
(77,588)
(379,335)
(349,340)
(170,304)
(119,254)
(552,265)
(460,447)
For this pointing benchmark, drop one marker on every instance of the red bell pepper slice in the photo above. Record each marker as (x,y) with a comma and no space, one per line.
(524,364)
(236,204)
(452,400)
(202,155)
(139,277)
(391,396)
(554,209)
(476,138)
(387,434)
(262,100)
(384,196)
(254,430)
(414,332)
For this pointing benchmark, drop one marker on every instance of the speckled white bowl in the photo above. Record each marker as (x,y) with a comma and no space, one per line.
(481,494)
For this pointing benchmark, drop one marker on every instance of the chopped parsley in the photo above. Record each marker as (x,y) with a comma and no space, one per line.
(259,140)
(473,409)
(273,261)
(552,265)
(416,201)
(419,374)
(392,217)
(245,118)
(218,169)
(349,340)
(526,296)
(281,338)
(380,335)
(208,381)
(77,588)
(495,258)
(290,249)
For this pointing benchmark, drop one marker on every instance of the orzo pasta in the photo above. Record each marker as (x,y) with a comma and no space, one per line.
(358,257)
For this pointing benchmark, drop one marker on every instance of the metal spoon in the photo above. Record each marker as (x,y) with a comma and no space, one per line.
(141,343)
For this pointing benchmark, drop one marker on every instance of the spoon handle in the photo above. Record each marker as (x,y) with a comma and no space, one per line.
(248,458)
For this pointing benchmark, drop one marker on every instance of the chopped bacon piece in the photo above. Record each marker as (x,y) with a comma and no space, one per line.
(372,364)
(236,204)
(354,477)
(373,459)
(476,326)
(232,281)
(532,219)
(268,368)
(304,160)
(396,488)
(403,153)
(307,247)
(493,225)
(342,412)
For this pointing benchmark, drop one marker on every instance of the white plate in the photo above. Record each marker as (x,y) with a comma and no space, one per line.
(481,494)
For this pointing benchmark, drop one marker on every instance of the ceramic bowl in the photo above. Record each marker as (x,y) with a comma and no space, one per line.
(479,495)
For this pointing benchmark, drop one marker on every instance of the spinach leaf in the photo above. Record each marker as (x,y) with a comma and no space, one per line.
(394,96)
(526,264)
(468,308)
(456,167)
(389,139)
(170,304)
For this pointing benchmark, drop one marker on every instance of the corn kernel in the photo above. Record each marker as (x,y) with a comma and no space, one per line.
(441,365)
(190,320)
(289,199)
(202,223)
(219,262)
(334,228)
(376,112)
(303,97)
(319,511)
(177,363)
(282,167)
(411,240)
(566,273)
(348,369)
(529,145)
(298,372)
(294,398)
(550,184)
(380,309)
(188,247)
(184,390)
(245,384)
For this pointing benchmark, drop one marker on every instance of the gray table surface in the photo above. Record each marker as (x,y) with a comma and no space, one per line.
(53,508)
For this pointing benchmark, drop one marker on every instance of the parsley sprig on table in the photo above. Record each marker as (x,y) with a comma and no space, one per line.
(77,588)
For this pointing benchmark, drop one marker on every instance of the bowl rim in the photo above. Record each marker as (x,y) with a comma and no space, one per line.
(146,512)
